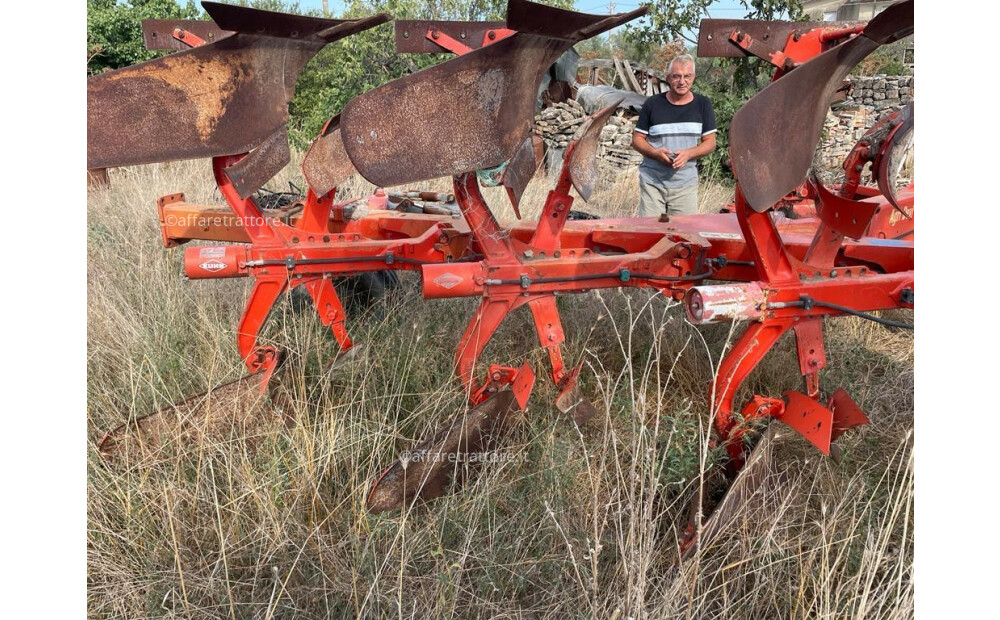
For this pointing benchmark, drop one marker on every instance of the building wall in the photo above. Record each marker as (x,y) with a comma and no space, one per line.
(851,10)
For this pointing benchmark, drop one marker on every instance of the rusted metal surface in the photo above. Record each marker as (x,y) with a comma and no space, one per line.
(714,41)
(411,34)
(236,408)
(892,24)
(443,462)
(519,172)
(253,171)
(773,136)
(157,34)
(892,155)
(469,113)
(583,163)
(755,484)
(571,399)
(327,165)
(543,20)
(98,178)
(222,98)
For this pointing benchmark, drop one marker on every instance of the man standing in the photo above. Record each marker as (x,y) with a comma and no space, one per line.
(673,130)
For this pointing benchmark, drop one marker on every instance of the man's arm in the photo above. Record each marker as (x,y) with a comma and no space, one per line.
(641,144)
(706,146)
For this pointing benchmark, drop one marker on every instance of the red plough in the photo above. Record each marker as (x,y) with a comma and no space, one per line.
(852,255)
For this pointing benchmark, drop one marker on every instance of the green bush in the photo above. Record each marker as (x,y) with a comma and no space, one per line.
(114,30)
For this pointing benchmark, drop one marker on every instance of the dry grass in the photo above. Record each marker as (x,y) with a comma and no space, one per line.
(585,525)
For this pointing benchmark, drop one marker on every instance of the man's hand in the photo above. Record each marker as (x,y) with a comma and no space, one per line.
(682,158)
(664,156)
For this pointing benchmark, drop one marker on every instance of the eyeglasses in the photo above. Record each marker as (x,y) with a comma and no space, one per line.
(674,77)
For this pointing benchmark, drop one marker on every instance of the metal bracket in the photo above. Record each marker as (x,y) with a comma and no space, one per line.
(776,57)
(188,38)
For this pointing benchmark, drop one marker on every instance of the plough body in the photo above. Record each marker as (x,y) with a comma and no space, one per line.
(848,251)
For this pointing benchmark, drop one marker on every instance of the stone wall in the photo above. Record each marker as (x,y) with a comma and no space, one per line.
(869,98)
(881,93)
(558,124)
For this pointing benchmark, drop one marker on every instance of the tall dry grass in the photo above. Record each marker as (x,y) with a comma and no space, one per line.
(582,523)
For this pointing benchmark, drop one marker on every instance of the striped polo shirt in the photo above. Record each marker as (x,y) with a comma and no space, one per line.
(673,127)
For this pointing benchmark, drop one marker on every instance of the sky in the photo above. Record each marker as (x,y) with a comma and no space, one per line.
(730,9)
(722,9)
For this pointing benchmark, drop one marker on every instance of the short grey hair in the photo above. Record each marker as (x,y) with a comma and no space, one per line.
(685,58)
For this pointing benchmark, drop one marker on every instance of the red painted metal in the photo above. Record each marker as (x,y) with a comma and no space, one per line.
(187,38)
(779,274)
(455,47)
(810,418)
(846,413)
(530,262)
(494,35)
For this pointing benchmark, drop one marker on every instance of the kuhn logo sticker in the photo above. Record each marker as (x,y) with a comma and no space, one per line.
(448,280)
(213,265)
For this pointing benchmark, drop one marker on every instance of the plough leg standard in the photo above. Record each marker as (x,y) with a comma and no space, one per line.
(854,257)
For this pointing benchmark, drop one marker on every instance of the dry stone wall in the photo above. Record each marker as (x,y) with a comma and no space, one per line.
(869,98)
(881,93)
(558,124)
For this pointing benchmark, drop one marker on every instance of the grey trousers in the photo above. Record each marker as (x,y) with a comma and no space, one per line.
(655,201)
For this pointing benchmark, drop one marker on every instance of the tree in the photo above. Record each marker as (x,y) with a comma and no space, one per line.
(668,20)
(729,83)
(114,30)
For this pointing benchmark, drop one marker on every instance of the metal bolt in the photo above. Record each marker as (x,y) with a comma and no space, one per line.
(491,35)
(833,274)
(529,254)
